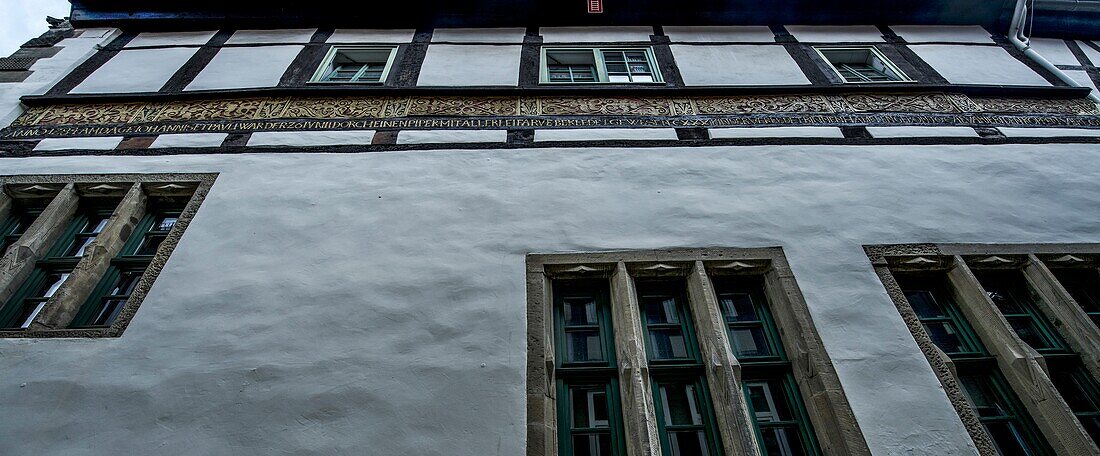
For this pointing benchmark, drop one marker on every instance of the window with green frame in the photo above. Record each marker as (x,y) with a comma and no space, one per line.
(126,269)
(1018,303)
(22,215)
(599,65)
(356,64)
(589,411)
(998,408)
(779,415)
(54,268)
(685,418)
(1084,286)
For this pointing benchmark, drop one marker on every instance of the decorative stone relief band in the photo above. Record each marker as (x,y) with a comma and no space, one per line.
(277,113)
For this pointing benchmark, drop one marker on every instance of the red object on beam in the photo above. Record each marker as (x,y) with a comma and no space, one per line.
(595,6)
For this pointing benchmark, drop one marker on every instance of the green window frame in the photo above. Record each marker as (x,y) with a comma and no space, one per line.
(861,65)
(126,269)
(685,416)
(780,419)
(611,65)
(1084,286)
(1015,300)
(356,65)
(54,268)
(587,424)
(20,218)
(995,404)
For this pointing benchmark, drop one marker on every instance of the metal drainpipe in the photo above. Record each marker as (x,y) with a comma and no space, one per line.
(1018,18)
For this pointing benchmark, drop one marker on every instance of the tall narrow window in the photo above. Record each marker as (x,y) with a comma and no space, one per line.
(1084,286)
(589,421)
(782,424)
(22,215)
(996,405)
(684,415)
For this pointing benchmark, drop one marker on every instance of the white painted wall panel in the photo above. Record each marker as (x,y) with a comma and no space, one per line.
(479,35)
(922,132)
(136,70)
(737,65)
(325,303)
(748,33)
(835,33)
(350,36)
(1023,132)
(274,36)
(594,34)
(1092,54)
(245,67)
(776,132)
(470,65)
(195,38)
(1082,77)
(961,64)
(604,134)
(188,140)
(943,33)
(1054,50)
(93,143)
(451,136)
(311,138)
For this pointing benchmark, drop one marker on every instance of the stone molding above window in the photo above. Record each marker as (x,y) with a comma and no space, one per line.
(132,205)
(700,271)
(1026,363)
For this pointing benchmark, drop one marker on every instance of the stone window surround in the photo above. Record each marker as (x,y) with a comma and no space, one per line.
(1023,367)
(836,428)
(65,191)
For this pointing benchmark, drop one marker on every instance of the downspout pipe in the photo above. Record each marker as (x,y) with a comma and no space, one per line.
(1017,38)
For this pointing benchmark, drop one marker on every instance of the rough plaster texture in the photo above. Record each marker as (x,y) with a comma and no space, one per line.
(271,36)
(93,143)
(188,140)
(1082,77)
(592,134)
(961,64)
(371,36)
(835,33)
(1092,54)
(46,72)
(776,132)
(943,33)
(1054,50)
(196,38)
(451,136)
(749,64)
(594,34)
(470,65)
(245,67)
(478,35)
(136,70)
(337,303)
(718,33)
(310,138)
(922,132)
(1013,132)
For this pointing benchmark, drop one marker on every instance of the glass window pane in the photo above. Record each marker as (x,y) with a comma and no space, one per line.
(1007,438)
(150,244)
(95,224)
(924,304)
(164,223)
(680,404)
(79,246)
(1092,426)
(618,78)
(946,336)
(749,342)
(616,67)
(1026,328)
(667,344)
(737,307)
(125,284)
(580,311)
(782,441)
(688,443)
(582,346)
(613,56)
(661,310)
(1083,285)
(52,284)
(107,312)
(589,407)
(769,403)
(985,397)
(643,78)
(592,444)
(30,310)
(1071,384)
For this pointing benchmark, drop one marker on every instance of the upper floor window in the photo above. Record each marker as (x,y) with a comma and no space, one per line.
(356,64)
(862,64)
(595,65)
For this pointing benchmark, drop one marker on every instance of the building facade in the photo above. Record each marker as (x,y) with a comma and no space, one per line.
(530,228)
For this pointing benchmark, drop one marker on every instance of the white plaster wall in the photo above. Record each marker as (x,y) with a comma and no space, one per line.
(188,140)
(1054,50)
(1082,77)
(310,138)
(1092,54)
(193,38)
(594,34)
(961,64)
(748,64)
(943,33)
(835,33)
(271,36)
(136,70)
(245,67)
(46,72)
(374,303)
(470,65)
(747,33)
(479,35)
(371,36)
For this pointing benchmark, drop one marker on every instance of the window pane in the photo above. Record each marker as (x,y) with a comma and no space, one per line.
(164,223)
(592,444)
(150,244)
(946,336)
(613,56)
(643,78)
(30,310)
(688,443)
(1092,425)
(52,284)
(782,441)
(1026,328)
(127,280)
(79,246)
(580,311)
(749,342)
(95,224)
(737,307)
(1083,285)
(1008,438)
(985,397)
(581,346)
(1071,385)
(616,67)
(769,403)
(667,344)
(661,310)
(680,404)
(107,312)
(618,78)
(589,407)
(924,304)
